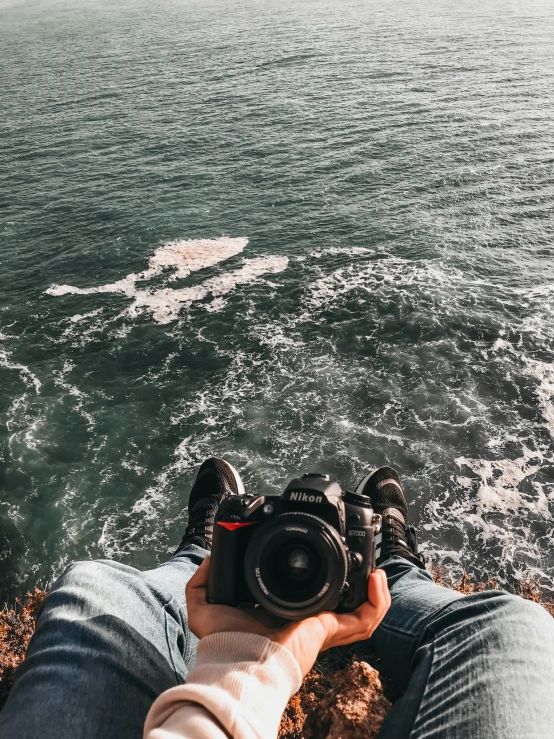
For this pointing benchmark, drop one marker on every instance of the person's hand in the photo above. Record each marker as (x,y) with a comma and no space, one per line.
(305,639)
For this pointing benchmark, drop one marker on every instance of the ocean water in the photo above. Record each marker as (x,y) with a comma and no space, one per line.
(303,236)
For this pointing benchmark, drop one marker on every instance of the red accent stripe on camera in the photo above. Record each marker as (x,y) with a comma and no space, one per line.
(234,526)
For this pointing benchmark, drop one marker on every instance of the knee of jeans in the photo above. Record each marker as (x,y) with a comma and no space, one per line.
(510,618)
(90,576)
(519,610)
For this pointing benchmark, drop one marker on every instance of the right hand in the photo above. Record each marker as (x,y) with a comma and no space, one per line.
(304,639)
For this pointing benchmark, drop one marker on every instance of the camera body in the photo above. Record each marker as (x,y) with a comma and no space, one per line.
(308,550)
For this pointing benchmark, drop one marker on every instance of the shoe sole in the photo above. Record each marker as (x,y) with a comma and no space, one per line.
(364,481)
(368,477)
(239,483)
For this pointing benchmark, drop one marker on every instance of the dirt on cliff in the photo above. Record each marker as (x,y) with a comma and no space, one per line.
(16,629)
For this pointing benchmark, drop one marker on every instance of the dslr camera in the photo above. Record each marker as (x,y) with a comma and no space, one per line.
(308,550)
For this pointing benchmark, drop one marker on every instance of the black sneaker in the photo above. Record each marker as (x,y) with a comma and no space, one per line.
(382,486)
(215,480)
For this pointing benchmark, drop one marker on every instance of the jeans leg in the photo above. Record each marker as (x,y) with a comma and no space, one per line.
(479,666)
(108,641)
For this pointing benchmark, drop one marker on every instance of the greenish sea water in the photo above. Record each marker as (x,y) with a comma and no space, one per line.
(300,235)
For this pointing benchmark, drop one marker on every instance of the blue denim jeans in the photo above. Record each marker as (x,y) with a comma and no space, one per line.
(110,639)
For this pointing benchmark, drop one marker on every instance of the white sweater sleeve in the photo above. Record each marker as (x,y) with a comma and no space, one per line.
(238,688)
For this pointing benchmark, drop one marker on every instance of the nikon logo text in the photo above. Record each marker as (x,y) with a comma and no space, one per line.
(306,498)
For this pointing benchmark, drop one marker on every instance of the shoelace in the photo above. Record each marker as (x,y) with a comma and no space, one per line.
(400,538)
(394,532)
(204,512)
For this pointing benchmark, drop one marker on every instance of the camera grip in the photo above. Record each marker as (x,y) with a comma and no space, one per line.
(361,543)
(226,581)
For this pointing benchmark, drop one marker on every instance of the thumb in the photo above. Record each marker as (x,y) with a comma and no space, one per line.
(199,580)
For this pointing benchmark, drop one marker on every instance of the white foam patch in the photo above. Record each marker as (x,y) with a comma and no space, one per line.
(498,482)
(493,502)
(182,257)
(165,304)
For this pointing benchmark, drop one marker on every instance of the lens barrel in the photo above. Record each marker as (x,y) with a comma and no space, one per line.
(296,565)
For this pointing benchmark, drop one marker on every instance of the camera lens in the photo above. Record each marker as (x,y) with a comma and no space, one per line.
(299,563)
(296,565)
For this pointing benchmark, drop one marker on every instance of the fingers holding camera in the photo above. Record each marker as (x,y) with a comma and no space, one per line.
(345,628)
(207,618)
(305,639)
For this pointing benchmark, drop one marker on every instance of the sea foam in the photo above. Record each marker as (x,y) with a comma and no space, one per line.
(165,304)
(182,258)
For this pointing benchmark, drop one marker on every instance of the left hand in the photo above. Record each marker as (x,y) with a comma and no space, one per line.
(304,639)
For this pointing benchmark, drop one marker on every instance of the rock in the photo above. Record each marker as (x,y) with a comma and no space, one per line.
(354,707)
